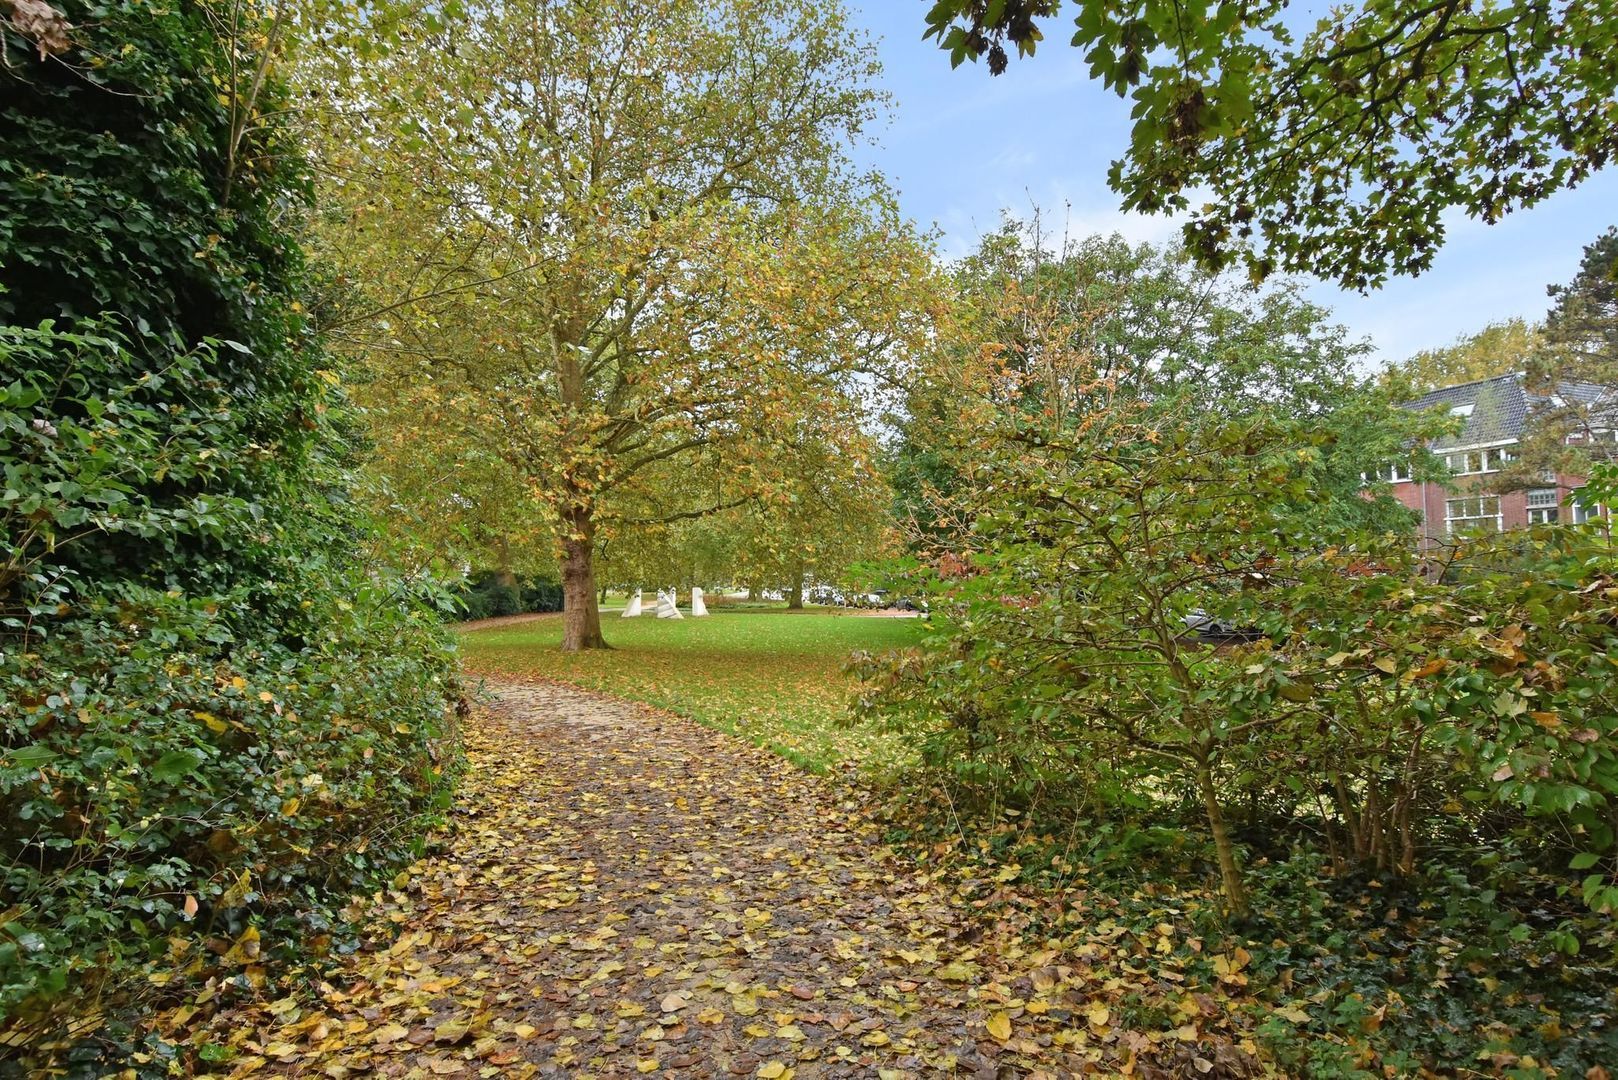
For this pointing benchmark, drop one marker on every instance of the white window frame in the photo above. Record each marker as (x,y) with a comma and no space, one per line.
(1544,506)
(1490,459)
(1453,523)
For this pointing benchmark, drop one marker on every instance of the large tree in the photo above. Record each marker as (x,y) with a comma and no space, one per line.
(1334,148)
(618,239)
(1500,348)
(1574,372)
(1168,336)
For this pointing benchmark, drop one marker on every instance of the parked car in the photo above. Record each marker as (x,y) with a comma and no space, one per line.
(1206,627)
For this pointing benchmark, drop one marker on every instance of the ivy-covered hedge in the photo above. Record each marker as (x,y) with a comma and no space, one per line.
(217,721)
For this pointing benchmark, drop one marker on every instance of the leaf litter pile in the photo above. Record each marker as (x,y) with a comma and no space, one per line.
(628,893)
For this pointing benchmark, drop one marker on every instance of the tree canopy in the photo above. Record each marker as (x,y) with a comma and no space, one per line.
(1169,338)
(1334,148)
(632,241)
(1574,372)
(1500,348)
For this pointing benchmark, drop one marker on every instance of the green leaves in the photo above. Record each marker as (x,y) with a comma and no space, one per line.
(185,591)
(1336,151)
(685,317)
(30,757)
(176,765)
(1082,527)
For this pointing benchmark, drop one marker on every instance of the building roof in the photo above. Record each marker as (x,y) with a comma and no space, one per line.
(1500,407)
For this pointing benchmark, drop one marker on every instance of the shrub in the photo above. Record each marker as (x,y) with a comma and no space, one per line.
(490,594)
(217,721)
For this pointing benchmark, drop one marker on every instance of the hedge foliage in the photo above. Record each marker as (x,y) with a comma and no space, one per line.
(216,722)
(489,594)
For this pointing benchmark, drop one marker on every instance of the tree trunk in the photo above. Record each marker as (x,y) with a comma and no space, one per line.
(581,614)
(795,594)
(752,592)
(503,574)
(1346,810)
(1404,809)
(1230,874)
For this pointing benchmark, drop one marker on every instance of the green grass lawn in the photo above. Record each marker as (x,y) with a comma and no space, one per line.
(775,679)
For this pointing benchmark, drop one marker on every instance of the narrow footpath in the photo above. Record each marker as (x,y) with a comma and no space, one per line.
(629,893)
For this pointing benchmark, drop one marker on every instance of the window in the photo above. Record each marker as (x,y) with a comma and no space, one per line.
(1394,474)
(1476,513)
(1543,506)
(1479,461)
(1582,513)
(1463,410)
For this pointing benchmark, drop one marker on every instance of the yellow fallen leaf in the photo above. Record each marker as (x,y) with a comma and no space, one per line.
(710,1016)
(450,1031)
(246,948)
(773,1070)
(1098,1015)
(215,725)
(999,1026)
(389,1033)
(646,1065)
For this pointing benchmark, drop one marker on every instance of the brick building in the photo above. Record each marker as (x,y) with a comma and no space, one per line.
(1495,411)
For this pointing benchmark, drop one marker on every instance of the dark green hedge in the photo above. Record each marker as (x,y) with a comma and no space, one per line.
(488,594)
(216,722)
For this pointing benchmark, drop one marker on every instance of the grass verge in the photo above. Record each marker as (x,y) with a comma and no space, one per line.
(774,679)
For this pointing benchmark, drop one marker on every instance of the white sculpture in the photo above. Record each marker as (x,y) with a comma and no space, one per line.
(698,608)
(665,606)
(634,606)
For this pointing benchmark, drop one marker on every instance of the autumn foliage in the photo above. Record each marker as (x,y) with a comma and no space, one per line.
(1162,606)
(217,719)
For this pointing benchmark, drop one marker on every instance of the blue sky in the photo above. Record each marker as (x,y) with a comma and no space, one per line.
(962,146)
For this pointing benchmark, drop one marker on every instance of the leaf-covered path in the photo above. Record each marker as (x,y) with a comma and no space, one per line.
(628,892)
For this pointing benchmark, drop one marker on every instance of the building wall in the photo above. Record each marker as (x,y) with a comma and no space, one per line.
(1428,499)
